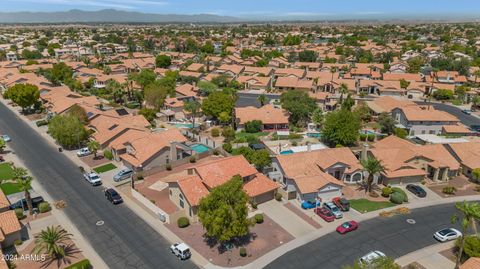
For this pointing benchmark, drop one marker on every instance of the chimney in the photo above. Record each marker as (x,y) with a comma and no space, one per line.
(190,171)
(364,154)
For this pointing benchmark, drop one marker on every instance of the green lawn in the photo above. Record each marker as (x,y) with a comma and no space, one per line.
(6,171)
(9,188)
(105,168)
(364,205)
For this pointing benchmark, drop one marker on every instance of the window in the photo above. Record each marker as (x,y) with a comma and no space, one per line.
(181,196)
(190,211)
(181,204)
(423,131)
(170,192)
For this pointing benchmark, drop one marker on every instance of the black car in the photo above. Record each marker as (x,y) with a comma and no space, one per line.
(113,196)
(23,203)
(417,190)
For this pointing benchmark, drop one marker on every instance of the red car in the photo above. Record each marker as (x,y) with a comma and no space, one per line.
(347,227)
(325,214)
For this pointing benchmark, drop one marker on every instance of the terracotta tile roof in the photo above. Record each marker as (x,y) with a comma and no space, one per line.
(4,203)
(268,114)
(236,69)
(417,113)
(456,129)
(257,70)
(8,224)
(256,81)
(187,90)
(190,74)
(193,189)
(471,263)
(195,67)
(309,184)
(107,127)
(140,150)
(469,153)
(284,72)
(405,76)
(259,185)
(293,82)
(387,104)
(219,171)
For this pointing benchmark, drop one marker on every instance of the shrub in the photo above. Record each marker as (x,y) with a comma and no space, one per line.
(183,222)
(278,196)
(83,264)
(228,133)
(139,176)
(215,132)
(398,190)
(17,242)
(169,167)
(216,152)
(363,137)
(19,213)
(259,218)
(472,245)
(449,190)
(386,192)
(41,123)
(193,159)
(477,188)
(243,252)
(108,154)
(227,147)
(254,204)
(371,137)
(44,207)
(396,198)
(253,126)
(294,143)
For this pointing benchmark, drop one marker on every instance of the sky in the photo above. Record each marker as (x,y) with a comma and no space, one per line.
(320,9)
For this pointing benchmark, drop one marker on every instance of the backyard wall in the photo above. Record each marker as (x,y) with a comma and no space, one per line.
(151,206)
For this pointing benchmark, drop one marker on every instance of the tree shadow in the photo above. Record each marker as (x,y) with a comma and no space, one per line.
(70,251)
(234,243)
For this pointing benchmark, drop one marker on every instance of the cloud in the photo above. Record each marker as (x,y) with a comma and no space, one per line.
(125,4)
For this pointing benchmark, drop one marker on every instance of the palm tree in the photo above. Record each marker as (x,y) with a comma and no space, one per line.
(93,146)
(477,74)
(25,184)
(193,107)
(470,215)
(52,242)
(19,173)
(333,70)
(262,98)
(2,144)
(372,166)
(343,90)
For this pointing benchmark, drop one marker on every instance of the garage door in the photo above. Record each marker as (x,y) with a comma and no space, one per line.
(262,198)
(329,195)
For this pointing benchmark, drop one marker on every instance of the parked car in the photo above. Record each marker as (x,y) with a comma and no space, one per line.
(447,234)
(334,209)
(93,178)
(2,159)
(341,203)
(309,204)
(83,152)
(181,250)
(123,174)
(417,190)
(467,111)
(113,196)
(325,214)
(23,203)
(371,256)
(347,227)
(6,138)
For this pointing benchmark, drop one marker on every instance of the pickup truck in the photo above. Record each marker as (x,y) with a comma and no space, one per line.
(93,178)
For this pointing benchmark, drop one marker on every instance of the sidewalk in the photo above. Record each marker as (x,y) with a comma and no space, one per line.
(429,257)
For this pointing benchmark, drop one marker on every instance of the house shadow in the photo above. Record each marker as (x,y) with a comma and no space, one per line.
(70,254)
(24,233)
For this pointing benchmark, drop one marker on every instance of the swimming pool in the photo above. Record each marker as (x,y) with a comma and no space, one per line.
(285,152)
(183,125)
(199,148)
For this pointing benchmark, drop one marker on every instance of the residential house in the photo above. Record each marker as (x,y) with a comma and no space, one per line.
(319,174)
(422,119)
(293,83)
(385,104)
(255,82)
(10,229)
(272,118)
(468,154)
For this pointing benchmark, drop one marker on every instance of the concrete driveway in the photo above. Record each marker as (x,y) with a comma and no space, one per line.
(284,217)
(412,198)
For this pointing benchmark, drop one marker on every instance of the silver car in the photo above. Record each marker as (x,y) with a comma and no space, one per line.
(334,209)
(123,174)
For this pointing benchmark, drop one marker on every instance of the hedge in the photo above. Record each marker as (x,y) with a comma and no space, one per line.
(402,192)
(183,222)
(44,207)
(386,191)
(396,198)
(83,264)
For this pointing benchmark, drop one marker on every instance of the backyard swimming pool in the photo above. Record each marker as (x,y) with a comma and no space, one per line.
(199,148)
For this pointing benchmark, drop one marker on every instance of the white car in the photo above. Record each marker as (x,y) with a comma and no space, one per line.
(93,178)
(447,234)
(6,138)
(181,250)
(371,257)
(83,152)
(334,209)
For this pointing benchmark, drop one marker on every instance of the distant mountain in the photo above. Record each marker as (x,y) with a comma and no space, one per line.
(107,15)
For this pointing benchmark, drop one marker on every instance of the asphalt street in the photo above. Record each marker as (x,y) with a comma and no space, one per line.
(124,240)
(393,236)
(250,99)
(467,120)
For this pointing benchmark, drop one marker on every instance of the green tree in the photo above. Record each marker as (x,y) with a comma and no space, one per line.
(25,184)
(307,56)
(262,98)
(155,94)
(387,123)
(67,130)
(224,117)
(363,112)
(260,158)
(52,242)
(470,214)
(223,212)
(476,174)
(59,73)
(193,107)
(379,263)
(144,77)
(471,247)
(216,103)
(208,47)
(443,94)
(402,133)
(93,146)
(206,87)
(372,166)
(404,84)
(24,95)
(79,112)
(348,103)
(341,128)
(2,145)
(415,64)
(318,117)
(163,61)
(253,126)
(148,113)
(300,106)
